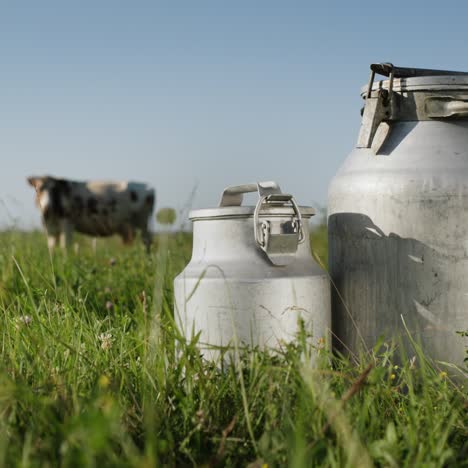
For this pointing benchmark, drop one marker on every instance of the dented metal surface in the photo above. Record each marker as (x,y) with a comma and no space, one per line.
(252,279)
(398,223)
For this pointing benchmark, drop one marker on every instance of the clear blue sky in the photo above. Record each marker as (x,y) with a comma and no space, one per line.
(212,93)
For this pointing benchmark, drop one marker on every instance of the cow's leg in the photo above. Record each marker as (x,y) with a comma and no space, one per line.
(127,234)
(52,241)
(52,231)
(66,235)
(147,238)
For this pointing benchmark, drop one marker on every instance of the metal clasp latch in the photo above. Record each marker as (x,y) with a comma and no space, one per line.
(378,107)
(278,239)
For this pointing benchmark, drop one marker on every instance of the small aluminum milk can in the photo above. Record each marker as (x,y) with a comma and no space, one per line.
(252,280)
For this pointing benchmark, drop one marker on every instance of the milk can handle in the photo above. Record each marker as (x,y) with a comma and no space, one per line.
(233,196)
(444,107)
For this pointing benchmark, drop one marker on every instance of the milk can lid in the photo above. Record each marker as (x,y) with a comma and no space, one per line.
(272,203)
(246,212)
(414,79)
(435,94)
(277,220)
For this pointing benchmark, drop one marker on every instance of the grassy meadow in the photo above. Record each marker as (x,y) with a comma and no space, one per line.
(88,377)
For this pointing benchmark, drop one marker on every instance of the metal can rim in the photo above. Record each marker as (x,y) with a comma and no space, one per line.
(239,212)
(422,83)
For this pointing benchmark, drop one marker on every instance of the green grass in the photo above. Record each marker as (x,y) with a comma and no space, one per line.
(89,377)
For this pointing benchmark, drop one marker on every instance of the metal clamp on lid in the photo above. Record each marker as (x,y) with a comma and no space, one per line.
(279,239)
(380,109)
(377,107)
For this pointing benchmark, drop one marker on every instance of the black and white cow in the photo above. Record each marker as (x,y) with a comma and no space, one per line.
(95,208)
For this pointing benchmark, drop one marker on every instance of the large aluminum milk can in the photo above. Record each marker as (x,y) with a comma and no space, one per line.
(252,280)
(398,217)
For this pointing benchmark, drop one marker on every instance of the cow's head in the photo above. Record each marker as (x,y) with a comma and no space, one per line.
(50,193)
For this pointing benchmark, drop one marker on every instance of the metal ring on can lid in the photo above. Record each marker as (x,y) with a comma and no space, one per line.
(414,79)
(422,83)
(232,212)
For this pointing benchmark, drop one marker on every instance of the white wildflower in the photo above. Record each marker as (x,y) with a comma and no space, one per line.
(23,320)
(26,319)
(106,341)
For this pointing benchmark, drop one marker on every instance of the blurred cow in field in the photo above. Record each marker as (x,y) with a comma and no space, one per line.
(93,208)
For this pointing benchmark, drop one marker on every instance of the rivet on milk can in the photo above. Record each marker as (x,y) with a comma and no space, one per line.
(398,217)
(252,280)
